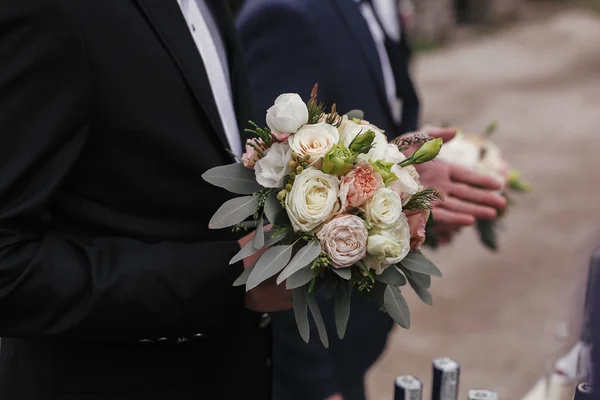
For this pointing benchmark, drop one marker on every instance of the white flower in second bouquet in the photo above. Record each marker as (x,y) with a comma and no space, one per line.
(271,170)
(406,185)
(389,246)
(313,200)
(344,240)
(288,114)
(383,209)
(460,151)
(378,149)
(314,140)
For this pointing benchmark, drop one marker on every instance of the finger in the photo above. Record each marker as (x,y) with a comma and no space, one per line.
(444,216)
(473,178)
(440,228)
(479,196)
(446,134)
(476,210)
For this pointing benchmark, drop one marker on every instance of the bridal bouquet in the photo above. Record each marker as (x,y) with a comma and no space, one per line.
(481,154)
(346,208)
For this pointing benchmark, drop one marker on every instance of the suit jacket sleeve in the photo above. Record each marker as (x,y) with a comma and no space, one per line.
(283,55)
(109,288)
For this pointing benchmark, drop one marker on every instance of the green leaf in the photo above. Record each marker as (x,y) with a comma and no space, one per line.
(301,312)
(487,233)
(344,273)
(258,241)
(359,114)
(422,280)
(318,318)
(341,307)
(422,292)
(392,276)
(272,207)
(249,249)
(233,212)
(300,278)
(303,258)
(396,306)
(233,177)
(270,263)
(417,262)
(243,278)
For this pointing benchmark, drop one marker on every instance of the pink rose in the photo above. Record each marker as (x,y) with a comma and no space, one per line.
(251,156)
(359,185)
(281,137)
(416,223)
(344,240)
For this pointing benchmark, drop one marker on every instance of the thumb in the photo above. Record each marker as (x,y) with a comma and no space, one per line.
(446,134)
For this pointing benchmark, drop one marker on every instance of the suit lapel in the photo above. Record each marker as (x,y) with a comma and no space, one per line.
(362,35)
(170,25)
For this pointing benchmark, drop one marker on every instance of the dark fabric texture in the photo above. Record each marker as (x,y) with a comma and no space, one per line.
(107,123)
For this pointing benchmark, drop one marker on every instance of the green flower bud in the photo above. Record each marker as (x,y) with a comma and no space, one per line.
(288,187)
(515,182)
(385,170)
(299,169)
(292,175)
(294,155)
(363,142)
(427,152)
(338,161)
(281,195)
(293,164)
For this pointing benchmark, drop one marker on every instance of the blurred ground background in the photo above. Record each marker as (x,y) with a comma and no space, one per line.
(499,315)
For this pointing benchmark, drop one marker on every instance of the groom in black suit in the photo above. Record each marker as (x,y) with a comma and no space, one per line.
(359,55)
(111,284)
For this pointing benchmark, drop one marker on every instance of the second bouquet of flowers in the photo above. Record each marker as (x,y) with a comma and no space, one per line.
(346,208)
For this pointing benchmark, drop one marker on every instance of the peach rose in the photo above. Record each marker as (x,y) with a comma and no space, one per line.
(250,157)
(359,185)
(417,222)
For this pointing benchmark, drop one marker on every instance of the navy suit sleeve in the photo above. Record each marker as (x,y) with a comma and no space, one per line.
(283,55)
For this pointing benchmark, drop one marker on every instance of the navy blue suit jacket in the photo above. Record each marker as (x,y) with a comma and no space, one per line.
(289,46)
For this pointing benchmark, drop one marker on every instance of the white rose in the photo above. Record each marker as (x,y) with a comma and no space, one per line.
(383,209)
(388,247)
(271,170)
(315,141)
(406,185)
(288,114)
(344,240)
(378,149)
(313,199)
(460,151)
(393,154)
(349,130)
(493,163)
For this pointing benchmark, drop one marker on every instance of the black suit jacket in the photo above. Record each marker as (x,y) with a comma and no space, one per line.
(107,122)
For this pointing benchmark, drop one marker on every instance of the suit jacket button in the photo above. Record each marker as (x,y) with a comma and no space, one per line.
(146,342)
(199,336)
(182,340)
(164,340)
(265,320)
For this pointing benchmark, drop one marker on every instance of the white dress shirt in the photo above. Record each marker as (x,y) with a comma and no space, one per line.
(387,10)
(211,48)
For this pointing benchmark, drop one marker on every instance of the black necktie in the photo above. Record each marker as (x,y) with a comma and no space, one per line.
(399,56)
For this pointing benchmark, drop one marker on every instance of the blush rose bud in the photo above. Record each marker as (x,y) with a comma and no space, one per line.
(363,142)
(338,161)
(427,152)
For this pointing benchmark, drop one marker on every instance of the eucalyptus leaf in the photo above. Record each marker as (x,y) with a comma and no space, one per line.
(396,306)
(301,312)
(422,292)
(341,308)
(233,177)
(272,207)
(270,263)
(422,280)
(355,114)
(303,258)
(392,276)
(249,249)
(300,278)
(417,262)
(344,273)
(248,224)
(243,278)
(258,241)
(233,212)
(313,306)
